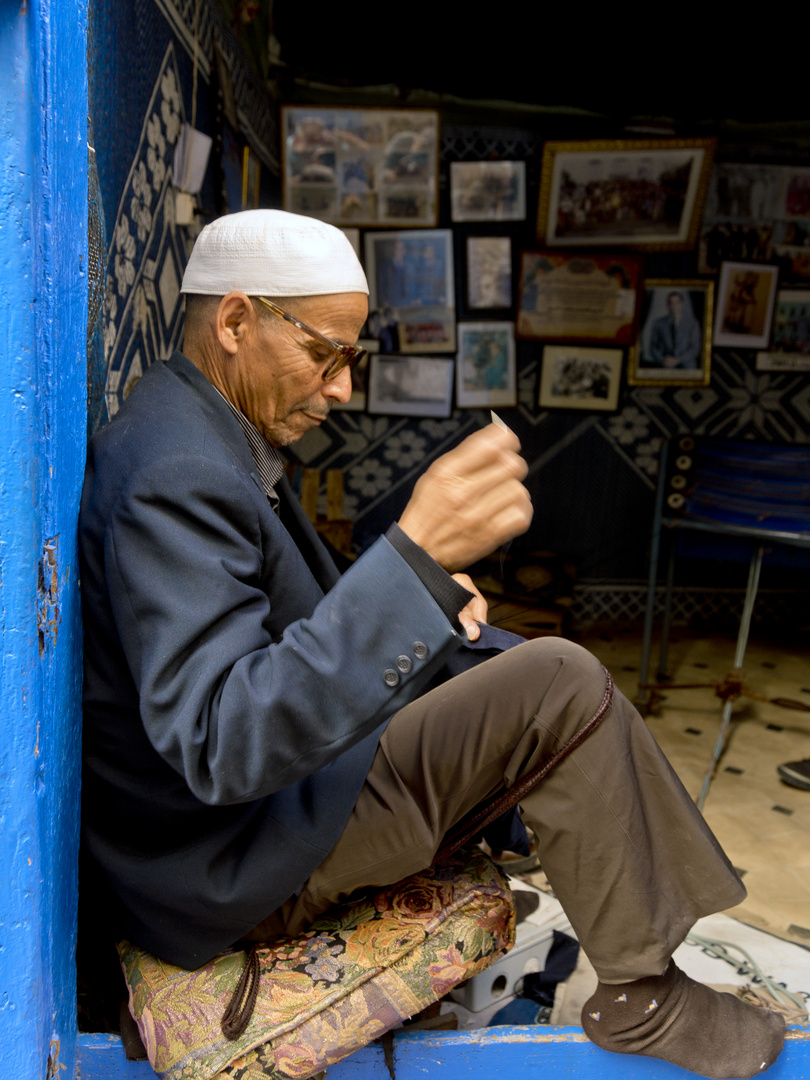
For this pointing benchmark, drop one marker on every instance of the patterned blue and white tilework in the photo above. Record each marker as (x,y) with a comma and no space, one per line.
(148,252)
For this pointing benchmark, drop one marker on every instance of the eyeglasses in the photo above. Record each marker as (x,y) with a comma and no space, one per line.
(345,355)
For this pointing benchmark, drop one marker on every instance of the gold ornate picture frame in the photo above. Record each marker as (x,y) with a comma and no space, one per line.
(674,346)
(639,193)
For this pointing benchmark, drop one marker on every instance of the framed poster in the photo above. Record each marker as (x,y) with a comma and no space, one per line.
(487,190)
(675,335)
(489,273)
(410,385)
(578,377)
(790,338)
(485,365)
(578,297)
(410,276)
(356,166)
(746,295)
(626,192)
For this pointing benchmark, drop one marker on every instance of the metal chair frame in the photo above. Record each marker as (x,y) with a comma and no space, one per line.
(761,539)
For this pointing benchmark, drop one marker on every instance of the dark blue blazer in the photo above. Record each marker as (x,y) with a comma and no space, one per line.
(234,683)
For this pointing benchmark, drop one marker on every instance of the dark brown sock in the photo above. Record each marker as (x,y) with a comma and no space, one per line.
(681,1021)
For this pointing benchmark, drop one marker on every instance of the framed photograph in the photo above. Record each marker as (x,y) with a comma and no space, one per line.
(790,338)
(791,250)
(675,335)
(356,166)
(489,272)
(628,192)
(487,190)
(357,402)
(485,365)
(743,193)
(757,213)
(410,385)
(251,174)
(724,241)
(411,288)
(578,377)
(578,297)
(746,295)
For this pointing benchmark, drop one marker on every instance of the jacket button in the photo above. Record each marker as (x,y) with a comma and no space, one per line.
(391,677)
(404,664)
(420,650)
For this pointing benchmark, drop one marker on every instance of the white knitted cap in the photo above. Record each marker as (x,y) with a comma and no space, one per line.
(272,253)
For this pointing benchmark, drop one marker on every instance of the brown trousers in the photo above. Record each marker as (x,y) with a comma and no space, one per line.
(628,855)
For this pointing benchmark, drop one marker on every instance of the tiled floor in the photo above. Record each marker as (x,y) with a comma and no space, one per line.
(763,824)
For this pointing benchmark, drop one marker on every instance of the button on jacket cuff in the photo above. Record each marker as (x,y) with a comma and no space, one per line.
(448,594)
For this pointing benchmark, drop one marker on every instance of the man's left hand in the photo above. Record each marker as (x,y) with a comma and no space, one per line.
(475,612)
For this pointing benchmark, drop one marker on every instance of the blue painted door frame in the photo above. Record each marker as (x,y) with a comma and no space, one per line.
(43,319)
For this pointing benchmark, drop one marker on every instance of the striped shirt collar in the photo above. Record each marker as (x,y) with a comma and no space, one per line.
(268,460)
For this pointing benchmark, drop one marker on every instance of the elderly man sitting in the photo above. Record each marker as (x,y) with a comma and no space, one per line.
(263,736)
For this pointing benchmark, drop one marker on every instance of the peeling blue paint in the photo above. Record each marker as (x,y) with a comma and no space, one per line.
(43,316)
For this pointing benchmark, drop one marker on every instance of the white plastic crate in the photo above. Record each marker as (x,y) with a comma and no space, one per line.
(499,982)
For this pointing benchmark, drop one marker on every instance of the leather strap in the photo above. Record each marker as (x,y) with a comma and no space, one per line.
(240,1008)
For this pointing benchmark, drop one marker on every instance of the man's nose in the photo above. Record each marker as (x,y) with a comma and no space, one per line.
(339,389)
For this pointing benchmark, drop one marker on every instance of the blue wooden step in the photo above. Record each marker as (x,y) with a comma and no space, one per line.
(502,1053)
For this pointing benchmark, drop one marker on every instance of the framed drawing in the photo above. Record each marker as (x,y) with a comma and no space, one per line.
(410,385)
(675,335)
(487,190)
(411,288)
(746,295)
(627,192)
(485,365)
(358,400)
(790,339)
(578,297)
(578,377)
(489,272)
(356,166)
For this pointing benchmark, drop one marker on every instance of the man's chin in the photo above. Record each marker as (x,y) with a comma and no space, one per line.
(289,434)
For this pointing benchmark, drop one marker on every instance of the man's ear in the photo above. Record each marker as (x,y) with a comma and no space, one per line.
(235,317)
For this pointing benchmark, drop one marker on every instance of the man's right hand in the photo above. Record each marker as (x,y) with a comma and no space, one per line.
(471,500)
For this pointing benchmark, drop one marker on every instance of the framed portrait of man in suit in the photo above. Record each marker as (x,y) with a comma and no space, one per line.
(675,331)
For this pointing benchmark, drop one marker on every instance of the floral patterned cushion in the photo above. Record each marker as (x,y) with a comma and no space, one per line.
(358,972)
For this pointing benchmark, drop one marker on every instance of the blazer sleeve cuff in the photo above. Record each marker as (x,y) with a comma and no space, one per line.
(448,594)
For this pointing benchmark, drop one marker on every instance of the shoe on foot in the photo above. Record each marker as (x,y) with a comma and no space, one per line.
(674,1018)
(796,773)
